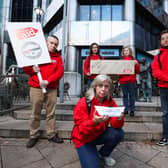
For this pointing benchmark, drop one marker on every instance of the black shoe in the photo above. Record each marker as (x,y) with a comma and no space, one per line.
(125,112)
(31,142)
(56,139)
(132,114)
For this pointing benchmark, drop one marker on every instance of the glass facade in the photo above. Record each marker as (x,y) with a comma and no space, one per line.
(101,12)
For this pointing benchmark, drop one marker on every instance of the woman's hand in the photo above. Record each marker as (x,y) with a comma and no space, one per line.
(121,116)
(99,119)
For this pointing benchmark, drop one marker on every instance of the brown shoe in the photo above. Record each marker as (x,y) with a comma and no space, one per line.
(31,142)
(56,139)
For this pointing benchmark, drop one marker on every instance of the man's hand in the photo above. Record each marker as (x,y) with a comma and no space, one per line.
(36,68)
(43,83)
(88,74)
(99,119)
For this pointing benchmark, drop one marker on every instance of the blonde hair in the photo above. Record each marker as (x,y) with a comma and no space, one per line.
(91,92)
(130,50)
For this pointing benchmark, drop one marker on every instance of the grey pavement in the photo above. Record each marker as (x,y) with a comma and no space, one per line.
(14,154)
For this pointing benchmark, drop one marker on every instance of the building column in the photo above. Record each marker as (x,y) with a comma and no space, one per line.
(71,59)
(4,49)
(166,6)
(129,13)
(71,75)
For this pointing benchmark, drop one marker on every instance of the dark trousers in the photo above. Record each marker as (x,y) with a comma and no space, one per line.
(164,105)
(129,90)
(88,154)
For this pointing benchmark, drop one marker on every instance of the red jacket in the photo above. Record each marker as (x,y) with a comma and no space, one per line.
(51,72)
(129,78)
(87,65)
(85,130)
(161,74)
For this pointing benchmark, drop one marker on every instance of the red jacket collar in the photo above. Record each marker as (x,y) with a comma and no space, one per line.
(163,49)
(105,103)
(55,54)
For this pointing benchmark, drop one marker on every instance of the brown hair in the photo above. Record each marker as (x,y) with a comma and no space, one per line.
(163,32)
(91,46)
(130,50)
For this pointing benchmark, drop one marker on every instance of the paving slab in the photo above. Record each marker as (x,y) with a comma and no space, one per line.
(129,162)
(19,156)
(160,160)
(65,151)
(138,151)
(50,155)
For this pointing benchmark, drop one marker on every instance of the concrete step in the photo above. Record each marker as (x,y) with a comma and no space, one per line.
(67,115)
(11,128)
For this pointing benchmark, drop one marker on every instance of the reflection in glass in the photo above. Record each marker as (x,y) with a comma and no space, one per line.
(95,12)
(84,12)
(106,12)
(117,12)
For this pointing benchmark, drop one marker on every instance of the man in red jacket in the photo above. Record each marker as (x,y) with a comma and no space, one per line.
(51,74)
(160,72)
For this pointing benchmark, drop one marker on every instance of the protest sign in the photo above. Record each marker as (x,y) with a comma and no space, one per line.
(29,44)
(118,67)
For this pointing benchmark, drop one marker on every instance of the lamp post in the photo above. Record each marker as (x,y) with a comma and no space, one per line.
(39,12)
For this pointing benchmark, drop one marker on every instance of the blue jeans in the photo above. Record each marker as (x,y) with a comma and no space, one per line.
(147,88)
(164,105)
(88,154)
(129,90)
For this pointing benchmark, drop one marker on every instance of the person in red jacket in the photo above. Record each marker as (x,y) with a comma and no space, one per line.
(160,72)
(51,73)
(93,55)
(128,83)
(91,129)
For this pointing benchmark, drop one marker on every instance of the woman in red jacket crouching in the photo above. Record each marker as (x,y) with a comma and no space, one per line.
(91,129)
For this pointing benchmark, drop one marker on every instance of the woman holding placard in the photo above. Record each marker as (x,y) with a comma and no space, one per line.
(128,83)
(94,54)
(91,129)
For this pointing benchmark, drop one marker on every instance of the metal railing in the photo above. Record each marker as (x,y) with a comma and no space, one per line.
(14,88)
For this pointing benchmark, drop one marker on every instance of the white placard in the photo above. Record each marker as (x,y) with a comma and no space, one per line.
(110,111)
(28,43)
(126,67)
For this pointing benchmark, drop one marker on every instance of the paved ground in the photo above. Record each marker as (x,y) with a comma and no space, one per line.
(14,154)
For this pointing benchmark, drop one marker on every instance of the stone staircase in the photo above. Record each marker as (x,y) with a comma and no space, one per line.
(146,125)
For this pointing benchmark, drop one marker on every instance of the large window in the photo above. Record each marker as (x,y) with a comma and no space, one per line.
(84,12)
(22,10)
(95,12)
(117,13)
(106,12)
(101,12)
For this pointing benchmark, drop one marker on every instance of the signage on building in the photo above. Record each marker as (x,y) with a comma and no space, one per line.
(103,52)
(28,43)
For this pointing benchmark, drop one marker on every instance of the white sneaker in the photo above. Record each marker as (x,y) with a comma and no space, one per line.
(109,161)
